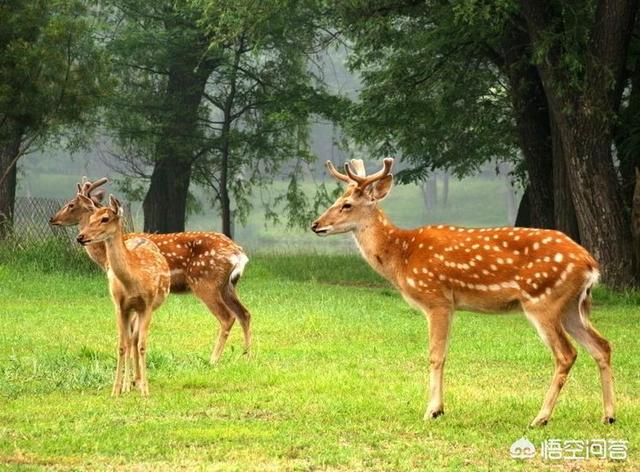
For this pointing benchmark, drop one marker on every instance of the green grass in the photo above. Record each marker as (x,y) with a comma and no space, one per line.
(337,380)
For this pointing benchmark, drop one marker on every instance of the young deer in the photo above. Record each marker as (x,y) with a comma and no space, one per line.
(206,263)
(139,281)
(439,269)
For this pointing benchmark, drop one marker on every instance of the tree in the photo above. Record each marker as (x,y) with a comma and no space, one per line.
(452,88)
(52,75)
(429,91)
(581,54)
(163,63)
(213,93)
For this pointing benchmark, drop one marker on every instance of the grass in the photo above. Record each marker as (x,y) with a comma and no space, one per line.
(337,380)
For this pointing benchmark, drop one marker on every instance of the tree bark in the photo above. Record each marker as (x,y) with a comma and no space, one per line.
(635,220)
(532,124)
(165,204)
(9,149)
(225,136)
(445,189)
(564,211)
(523,217)
(628,153)
(583,116)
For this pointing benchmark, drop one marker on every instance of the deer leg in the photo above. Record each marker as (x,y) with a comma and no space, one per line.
(599,348)
(123,351)
(144,321)
(555,337)
(439,330)
(241,313)
(226,319)
(212,298)
(135,357)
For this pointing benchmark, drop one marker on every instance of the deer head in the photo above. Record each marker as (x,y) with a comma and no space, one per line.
(75,209)
(103,224)
(358,202)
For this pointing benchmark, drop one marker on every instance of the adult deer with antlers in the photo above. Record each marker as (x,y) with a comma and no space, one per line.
(439,269)
(206,263)
(139,281)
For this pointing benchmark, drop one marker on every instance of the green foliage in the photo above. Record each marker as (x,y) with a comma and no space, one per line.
(432,92)
(259,92)
(52,72)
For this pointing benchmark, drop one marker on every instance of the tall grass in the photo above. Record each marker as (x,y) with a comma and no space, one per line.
(51,255)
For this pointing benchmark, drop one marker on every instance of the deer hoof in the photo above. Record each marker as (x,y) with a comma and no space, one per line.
(539,422)
(609,420)
(433,414)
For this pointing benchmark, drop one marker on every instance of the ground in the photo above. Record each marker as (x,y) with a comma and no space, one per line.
(337,379)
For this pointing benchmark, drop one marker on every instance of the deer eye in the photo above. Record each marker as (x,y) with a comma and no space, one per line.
(346,206)
(104,219)
(70,206)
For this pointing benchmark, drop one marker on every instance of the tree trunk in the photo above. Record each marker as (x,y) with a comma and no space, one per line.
(584,119)
(635,221)
(430,192)
(225,201)
(565,212)
(532,124)
(627,151)
(523,217)
(602,224)
(165,204)
(166,200)
(225,136)
(9,149)
(445,189)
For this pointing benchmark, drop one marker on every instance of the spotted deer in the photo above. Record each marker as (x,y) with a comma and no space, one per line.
(208,264)
(439,269)
(139,281)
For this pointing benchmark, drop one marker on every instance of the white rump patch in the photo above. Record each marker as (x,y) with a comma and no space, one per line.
(239,261)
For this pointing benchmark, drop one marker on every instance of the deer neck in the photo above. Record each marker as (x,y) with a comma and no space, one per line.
(382,244)
(118,259)
(96,252)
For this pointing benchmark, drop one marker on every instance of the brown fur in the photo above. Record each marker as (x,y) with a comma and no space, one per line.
(139,282)
(439,269)
(200,262)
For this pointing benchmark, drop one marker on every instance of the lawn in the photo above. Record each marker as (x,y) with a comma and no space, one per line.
(337,379)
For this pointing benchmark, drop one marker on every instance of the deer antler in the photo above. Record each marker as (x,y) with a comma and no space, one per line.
(333,171)
(88,186)
(363,181)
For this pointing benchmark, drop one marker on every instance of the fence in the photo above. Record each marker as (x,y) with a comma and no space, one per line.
(31,220)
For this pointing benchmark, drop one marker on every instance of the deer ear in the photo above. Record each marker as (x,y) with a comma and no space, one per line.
(79,188)
(87,201)
(381,188)
(115,205)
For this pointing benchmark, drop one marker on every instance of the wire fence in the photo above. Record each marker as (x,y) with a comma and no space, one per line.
(31,220)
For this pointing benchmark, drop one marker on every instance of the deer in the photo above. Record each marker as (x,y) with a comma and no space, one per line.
(441,268)
(207,264)
(139,282)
